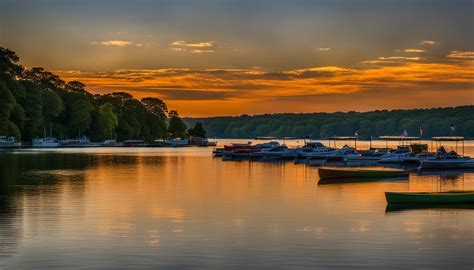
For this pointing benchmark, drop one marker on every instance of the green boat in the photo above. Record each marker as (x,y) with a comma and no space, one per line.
(339,173)
(430,197)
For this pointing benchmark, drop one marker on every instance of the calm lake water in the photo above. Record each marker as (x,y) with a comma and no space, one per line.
(149,208)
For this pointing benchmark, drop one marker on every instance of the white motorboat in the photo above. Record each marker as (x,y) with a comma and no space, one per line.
(48,142)
(416,159)
(9,142)
(79,142)
(447,160)
(176,143)
(359,157)
(110,143)
(279,152)
(268,145)
(396,156)
(314,152)
(468,164)
(373,154)
(312,149)
(447,163)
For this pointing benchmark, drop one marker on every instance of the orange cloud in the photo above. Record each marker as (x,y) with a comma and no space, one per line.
(392,60)
(193,47)
(405,82)
(191,44)
(119,43)
(461,54)
(428,42)
(414,51)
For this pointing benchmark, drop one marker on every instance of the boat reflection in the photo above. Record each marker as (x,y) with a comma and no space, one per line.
(445,174)
(416,206)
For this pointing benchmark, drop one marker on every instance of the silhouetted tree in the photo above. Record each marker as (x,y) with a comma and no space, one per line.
(197,131)
(176,128)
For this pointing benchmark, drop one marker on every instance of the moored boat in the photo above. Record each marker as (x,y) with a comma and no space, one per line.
(416,159)
(9,142)
(201,141)
(446,163)
(218,152)
(329,173)
(448,160)
(278,152)
(468,164)
(317,150)
(372,154)
(430,197)
(110,143)
(45,143)
(331,181)
(396,156)
(238,146)
(133,143)
(176,143)
(79,142)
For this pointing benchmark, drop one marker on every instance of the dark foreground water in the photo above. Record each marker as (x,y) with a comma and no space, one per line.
(180,209)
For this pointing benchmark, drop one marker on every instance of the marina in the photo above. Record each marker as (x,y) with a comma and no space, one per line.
(351,165)
(401,153)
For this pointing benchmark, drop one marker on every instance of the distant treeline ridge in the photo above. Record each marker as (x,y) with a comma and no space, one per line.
(451,121)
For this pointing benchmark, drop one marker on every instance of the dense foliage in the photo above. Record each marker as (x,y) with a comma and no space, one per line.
(35,102)
(198,130)
(434,122)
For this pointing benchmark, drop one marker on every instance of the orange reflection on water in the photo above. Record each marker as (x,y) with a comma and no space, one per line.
(159,202)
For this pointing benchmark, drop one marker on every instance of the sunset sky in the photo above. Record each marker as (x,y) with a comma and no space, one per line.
(229,57)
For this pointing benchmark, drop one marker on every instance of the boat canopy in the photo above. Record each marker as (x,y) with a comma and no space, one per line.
(448,138)
(265,138)
(403,140)
(439,141)
(342,138)
(399,138)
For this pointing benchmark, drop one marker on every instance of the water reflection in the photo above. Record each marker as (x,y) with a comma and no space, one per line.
(407,206)
(188,210)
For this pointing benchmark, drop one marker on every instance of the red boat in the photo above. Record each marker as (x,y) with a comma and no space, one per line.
(239,147)
(133,143)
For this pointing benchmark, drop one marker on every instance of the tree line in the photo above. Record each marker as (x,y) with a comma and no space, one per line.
(452,121)
(35,102)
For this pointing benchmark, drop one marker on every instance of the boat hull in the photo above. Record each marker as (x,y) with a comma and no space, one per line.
(46,145)
(430,197)
(444,164)
(326,173)
(361,158)
(12,145)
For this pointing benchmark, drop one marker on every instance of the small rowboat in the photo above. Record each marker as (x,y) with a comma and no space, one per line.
(430,197)
(331,173)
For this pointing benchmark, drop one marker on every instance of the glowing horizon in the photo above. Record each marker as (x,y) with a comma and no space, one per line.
(231,58)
